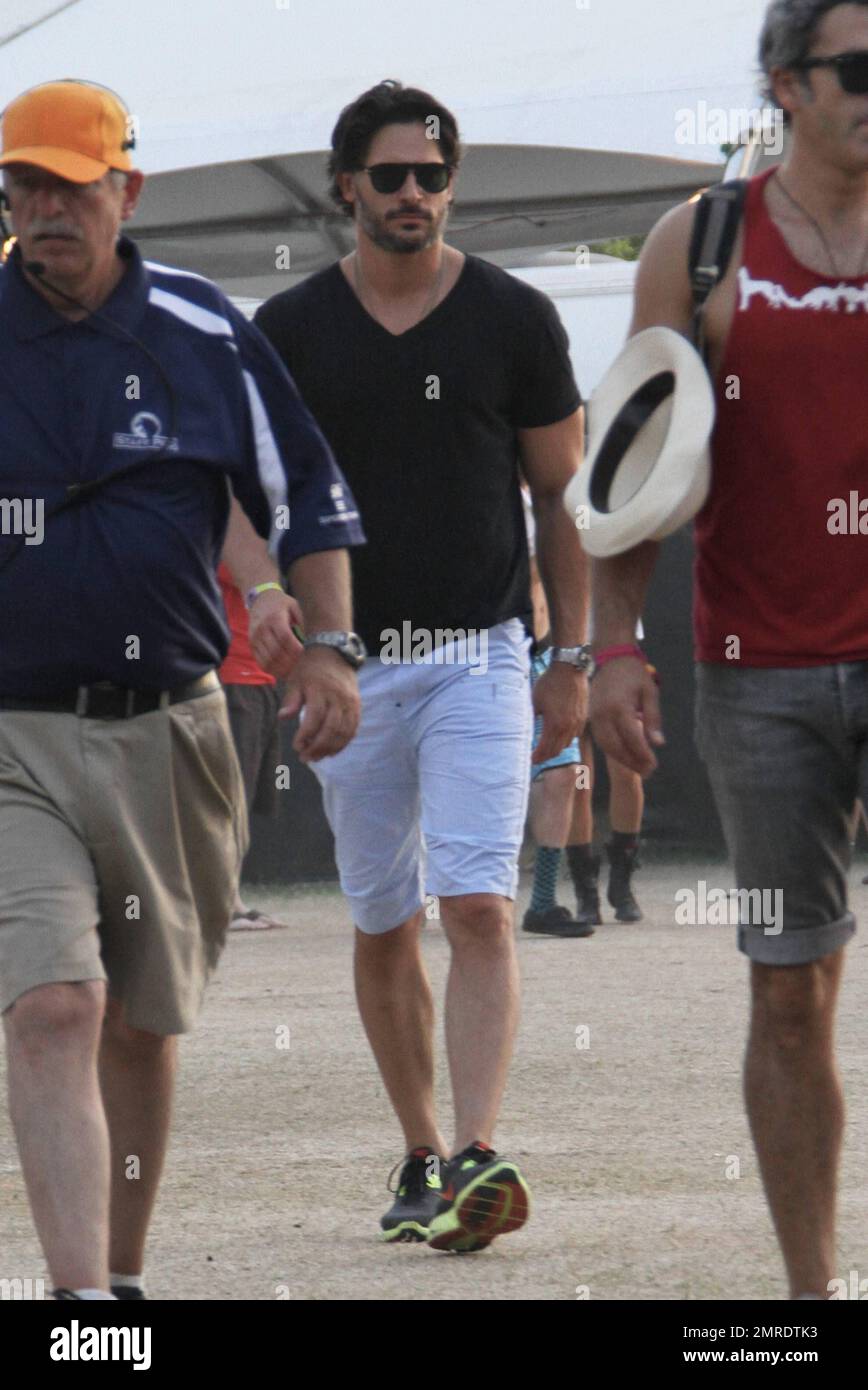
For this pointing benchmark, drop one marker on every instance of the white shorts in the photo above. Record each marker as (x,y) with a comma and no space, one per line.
(431,794)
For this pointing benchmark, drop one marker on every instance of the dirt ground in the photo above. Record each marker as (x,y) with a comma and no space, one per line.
(277,1172)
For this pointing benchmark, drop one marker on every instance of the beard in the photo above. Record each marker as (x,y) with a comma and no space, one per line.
(385,233)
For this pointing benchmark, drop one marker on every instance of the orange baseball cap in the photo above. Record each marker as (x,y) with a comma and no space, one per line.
(74,129)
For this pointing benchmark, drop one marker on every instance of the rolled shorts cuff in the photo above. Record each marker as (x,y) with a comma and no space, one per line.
(481,871)
(568,757)
(798,945)
(377,916)
(13,987)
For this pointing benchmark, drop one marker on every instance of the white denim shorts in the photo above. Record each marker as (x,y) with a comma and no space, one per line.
(431,794)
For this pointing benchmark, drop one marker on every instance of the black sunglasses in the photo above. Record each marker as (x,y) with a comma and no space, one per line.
(852,69)
(388,178)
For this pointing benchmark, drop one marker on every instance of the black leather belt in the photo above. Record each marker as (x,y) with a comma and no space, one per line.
(108,701)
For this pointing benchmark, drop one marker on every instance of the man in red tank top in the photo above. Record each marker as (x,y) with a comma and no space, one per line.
(781,606)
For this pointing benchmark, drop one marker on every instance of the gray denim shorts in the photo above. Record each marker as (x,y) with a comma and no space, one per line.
(787,754)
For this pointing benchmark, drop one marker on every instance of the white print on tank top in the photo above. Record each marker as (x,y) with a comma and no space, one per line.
(834,297)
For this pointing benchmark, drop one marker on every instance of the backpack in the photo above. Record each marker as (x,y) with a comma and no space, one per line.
(718,215)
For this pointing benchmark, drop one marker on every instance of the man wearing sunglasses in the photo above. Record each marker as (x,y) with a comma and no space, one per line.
(781,606)
(433,375)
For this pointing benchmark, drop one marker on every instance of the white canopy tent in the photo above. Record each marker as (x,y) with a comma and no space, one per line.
(572,112)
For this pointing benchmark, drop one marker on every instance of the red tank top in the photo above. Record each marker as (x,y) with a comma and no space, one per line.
(781,563)
(240,666)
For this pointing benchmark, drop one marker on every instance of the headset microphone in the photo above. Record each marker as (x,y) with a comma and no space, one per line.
(36,268)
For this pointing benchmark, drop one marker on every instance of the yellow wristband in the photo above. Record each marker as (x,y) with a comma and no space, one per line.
(258,589)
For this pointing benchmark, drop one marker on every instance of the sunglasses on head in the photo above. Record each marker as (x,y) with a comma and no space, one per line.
(388,178)
(852,69)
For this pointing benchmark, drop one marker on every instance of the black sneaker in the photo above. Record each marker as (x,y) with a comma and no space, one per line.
(125,1294)
(416,1198)
(555,921)
(483,1196)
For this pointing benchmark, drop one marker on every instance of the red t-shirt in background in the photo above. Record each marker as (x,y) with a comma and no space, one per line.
(240,666)
(768,569)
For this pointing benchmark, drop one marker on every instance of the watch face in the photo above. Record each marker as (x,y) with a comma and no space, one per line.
(348,645)
(578,657)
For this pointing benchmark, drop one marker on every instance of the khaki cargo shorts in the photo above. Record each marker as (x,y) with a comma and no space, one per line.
(121,843)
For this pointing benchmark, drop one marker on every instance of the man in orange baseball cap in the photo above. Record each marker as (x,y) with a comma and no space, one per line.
(135,400)
(65,150)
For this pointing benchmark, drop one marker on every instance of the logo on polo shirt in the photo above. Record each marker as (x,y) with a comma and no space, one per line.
(146,432)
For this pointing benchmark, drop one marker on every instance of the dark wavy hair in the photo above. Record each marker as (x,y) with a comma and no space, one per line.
(789,30)
(389,103)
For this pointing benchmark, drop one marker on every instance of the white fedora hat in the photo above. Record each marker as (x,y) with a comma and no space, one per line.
(648,468)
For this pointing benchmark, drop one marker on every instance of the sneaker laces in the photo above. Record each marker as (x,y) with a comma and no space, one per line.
(414,1171)
(477,1152)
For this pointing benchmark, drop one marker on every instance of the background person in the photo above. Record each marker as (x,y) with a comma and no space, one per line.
(253,700)
(553,783)
(626,807)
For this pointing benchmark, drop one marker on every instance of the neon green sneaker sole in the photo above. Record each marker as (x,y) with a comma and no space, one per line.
(405,1231)
(492,1203)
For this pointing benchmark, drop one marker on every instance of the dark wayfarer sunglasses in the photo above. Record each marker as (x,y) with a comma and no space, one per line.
(388,178)
(852,69)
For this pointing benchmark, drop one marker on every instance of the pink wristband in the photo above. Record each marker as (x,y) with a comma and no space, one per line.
(612,654)
(626,649)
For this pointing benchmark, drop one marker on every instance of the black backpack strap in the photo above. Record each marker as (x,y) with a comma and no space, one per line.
(715,227)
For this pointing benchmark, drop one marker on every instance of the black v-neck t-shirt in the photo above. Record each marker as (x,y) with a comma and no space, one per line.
(423,425)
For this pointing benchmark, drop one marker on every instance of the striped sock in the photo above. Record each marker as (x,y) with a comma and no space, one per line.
(545,878)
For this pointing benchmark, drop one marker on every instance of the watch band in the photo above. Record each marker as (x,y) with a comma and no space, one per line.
(347,644)
(579,658)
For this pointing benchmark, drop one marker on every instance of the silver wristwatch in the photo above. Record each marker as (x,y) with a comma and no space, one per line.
(347,644)
(578,657)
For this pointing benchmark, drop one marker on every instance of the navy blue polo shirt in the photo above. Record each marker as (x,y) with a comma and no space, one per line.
(122,585)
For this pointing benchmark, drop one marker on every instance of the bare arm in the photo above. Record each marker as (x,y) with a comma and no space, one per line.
(322,683)
(320,679)
(245,552)
(662,299)
(321,582)
(273,614)
(550,456)
(624,702)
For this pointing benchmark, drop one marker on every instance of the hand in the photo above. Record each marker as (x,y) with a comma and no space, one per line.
(325,685)
(625,712)
(561,697)
(274,644)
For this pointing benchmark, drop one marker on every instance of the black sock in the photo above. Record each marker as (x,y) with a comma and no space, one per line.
(579,860)
(625,839)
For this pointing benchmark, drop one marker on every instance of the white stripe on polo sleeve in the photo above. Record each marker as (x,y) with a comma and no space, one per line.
(272,475)
(194,314)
